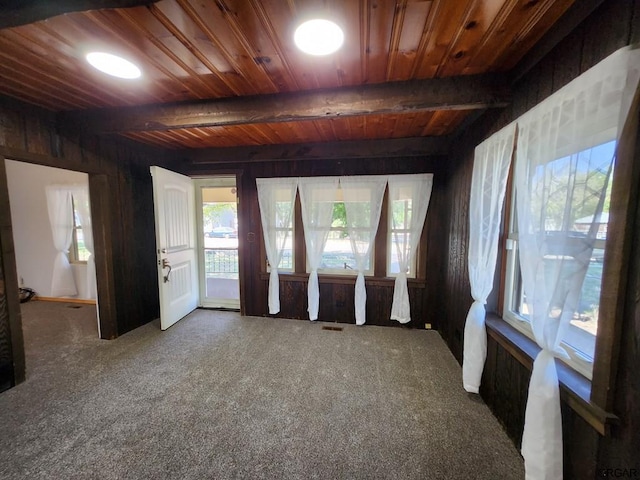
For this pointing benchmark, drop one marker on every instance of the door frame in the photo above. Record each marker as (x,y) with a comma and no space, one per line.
(216,181)
(101,200)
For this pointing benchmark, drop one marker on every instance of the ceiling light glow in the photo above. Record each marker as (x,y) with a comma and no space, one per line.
(318,37)
(113,65)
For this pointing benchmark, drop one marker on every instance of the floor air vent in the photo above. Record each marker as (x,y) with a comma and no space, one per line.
(333,329)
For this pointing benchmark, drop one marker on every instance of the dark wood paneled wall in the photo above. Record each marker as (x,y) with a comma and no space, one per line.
(11,358)
(122,210)
(6,357)
(505,382)
(455,291)
(336,298)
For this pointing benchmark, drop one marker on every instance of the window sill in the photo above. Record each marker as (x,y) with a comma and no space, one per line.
(345,279)
(575,390)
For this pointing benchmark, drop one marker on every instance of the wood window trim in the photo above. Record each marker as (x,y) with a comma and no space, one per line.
(380,241)
(345,279)
(575,390)
(299,247)
(507,213)
(621,230)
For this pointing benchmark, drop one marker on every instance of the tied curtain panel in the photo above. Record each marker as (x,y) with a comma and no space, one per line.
(60,207)
(317,196)
(492,160)
(554,148)
(363,196)
(81,201)
(276,197)
(409,197)
(363,202)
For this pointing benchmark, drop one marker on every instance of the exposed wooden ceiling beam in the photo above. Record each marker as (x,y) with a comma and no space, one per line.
(21,12)
(454,93)
(385,148)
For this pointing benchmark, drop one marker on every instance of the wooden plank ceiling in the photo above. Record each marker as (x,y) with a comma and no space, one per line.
(208,52)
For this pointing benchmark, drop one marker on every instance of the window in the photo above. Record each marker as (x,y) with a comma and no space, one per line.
(78,253)
(276,198)
(284,231)
(408,201)
(572,194)
(343,214)
(564,162)
(338,256)
(399,234)
(340,218)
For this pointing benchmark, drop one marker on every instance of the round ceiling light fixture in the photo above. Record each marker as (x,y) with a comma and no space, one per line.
(318,37)
(113,65)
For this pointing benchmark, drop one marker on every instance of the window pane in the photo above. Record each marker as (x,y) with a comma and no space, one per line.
(337,254)
(584,323)
(77,252)
(398,240)
(570,192)
(82,254)
(285,211)
(286,261)
(401,213)
(399,234)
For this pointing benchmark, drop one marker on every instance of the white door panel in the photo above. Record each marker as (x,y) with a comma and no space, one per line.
(174,207)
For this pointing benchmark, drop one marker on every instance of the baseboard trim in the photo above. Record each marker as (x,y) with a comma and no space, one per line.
(65,300)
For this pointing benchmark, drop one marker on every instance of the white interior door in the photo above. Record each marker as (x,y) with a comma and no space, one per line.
(174,207)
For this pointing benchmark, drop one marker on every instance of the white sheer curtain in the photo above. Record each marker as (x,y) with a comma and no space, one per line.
(61,219)
(276,197)
(363,201)
(492,159)
(552,140)
(317,196)
(409,197)
(81,202)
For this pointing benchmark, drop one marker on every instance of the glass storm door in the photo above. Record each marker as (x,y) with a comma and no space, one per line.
(218,231)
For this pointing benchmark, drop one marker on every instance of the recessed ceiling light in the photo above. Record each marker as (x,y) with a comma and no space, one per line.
(318,37)
(113,65)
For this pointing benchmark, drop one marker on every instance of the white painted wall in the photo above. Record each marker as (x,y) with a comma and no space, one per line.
(30,221)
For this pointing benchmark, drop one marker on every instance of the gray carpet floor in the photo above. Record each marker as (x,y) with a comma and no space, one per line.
(223,396)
